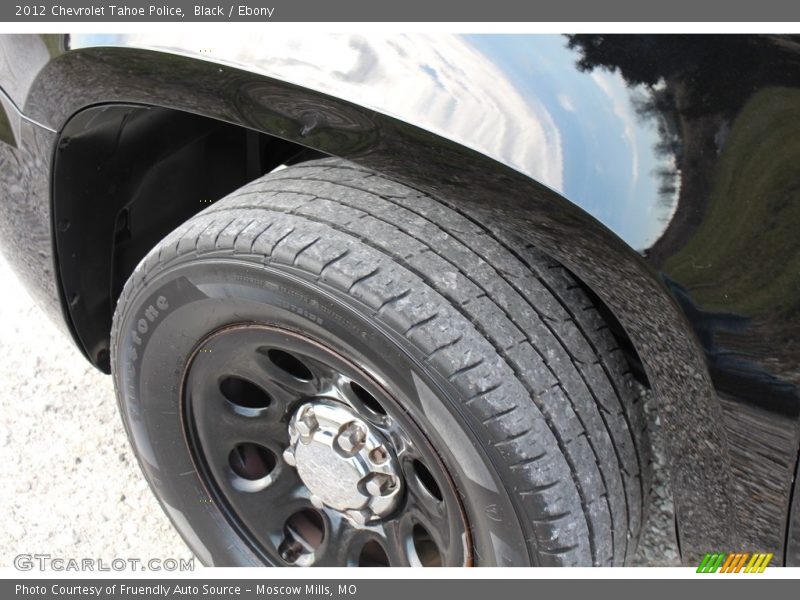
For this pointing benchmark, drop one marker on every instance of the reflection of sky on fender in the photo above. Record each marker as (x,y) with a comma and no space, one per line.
(608,151)
(517,98)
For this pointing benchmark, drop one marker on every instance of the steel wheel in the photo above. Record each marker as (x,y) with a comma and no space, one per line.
(313,459)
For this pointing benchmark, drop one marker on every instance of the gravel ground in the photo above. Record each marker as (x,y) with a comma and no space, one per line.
(69,484)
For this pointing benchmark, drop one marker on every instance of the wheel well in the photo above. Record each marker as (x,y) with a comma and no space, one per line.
(126,175)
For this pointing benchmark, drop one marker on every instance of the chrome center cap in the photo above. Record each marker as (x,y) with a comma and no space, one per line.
(343,462)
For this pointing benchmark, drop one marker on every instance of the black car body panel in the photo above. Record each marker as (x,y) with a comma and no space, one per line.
(661,170)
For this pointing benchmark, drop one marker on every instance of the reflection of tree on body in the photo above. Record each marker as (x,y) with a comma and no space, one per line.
(718,72)
(732,243)
(656,105)
(695,87)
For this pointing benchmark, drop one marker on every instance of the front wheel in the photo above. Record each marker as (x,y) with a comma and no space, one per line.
(328,368)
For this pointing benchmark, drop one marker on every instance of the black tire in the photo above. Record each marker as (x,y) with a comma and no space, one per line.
(516,350)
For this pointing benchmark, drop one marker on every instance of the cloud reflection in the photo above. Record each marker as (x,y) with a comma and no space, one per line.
(417,78)
(517,98)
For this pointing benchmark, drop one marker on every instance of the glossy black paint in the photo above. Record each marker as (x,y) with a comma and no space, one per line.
(714,313)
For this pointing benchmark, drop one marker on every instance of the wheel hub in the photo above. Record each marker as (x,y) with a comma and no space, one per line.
(343,461)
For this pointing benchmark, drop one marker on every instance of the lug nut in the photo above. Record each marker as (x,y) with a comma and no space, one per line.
(351,437)
(380,484)
(288,457)
(306,423)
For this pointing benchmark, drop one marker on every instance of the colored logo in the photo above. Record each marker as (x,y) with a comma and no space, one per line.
(738,562)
